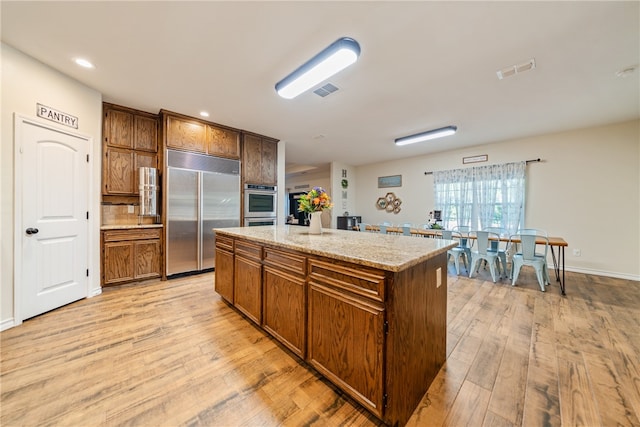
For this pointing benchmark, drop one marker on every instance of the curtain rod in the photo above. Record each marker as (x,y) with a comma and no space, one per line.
(527,162)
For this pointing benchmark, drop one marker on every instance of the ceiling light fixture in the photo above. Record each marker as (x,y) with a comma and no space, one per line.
(336,57)
(204,114)
(83,63)
(425,136)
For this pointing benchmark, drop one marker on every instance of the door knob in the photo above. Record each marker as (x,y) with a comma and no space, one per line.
(32,230)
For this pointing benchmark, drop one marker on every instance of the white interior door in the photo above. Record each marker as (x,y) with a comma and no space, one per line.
(52,189)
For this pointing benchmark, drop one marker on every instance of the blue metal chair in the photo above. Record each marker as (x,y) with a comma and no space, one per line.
(528,256)
(362,226)
(456,252)
(484,252)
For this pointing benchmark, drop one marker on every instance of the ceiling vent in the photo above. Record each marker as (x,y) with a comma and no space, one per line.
(325,90)
(516,69)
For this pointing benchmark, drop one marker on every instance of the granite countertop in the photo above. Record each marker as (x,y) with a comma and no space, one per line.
(128,226)
(384,251)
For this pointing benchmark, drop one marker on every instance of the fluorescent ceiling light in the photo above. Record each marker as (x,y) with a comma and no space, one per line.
(83,63)
(335,58)
(425,136)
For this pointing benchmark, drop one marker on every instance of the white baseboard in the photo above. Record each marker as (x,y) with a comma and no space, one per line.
(6,324)
(95,291)
(604,273)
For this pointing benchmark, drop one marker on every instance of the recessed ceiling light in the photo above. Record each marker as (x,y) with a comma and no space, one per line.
(84,63)
(204,114)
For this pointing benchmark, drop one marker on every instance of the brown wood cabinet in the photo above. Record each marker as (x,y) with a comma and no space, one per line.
(130,142)
(223,142)
(260,160)
(379,335)
(130,254)
(185,134)
(224,267)
(247,293)
(284,311)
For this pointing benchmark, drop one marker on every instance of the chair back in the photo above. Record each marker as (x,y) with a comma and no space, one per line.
(387,223)
(406,230)
(463,232)
(495,244)
(383,228)
(362,226)
(528,246)
(484,240)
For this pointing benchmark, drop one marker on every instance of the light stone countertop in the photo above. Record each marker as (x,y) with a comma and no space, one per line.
(129,226)
(383,251)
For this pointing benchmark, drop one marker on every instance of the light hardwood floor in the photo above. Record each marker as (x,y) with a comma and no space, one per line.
(172,353)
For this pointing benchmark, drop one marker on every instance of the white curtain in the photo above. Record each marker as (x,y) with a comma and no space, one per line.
(481,197)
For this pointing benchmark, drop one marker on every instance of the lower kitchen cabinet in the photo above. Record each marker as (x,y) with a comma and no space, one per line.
(224,268)
(247,295)
(130,254)
(284,298)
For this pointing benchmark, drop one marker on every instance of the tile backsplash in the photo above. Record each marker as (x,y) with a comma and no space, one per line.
(120,215)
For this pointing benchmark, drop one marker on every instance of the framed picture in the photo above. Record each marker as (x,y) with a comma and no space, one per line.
(475,159)
(390,181)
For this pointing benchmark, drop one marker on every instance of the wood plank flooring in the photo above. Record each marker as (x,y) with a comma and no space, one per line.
(173,353)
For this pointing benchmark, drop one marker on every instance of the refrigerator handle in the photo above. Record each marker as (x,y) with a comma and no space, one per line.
(200,219)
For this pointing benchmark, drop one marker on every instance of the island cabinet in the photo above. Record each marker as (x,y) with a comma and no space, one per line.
(284,298)
(130,254)
(247,295)
(130,142)
(373,327)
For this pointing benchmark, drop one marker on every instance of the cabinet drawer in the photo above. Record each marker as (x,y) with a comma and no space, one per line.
(285,261)
(248,250)
(132,234)
(358,280)
(225,243)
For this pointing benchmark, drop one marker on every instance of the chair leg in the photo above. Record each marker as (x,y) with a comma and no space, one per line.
(503,260)
(541,278)
(515,271)
(492,268)
(456,261)
(472,269)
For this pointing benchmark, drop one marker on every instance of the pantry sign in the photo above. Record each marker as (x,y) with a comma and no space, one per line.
(57,116)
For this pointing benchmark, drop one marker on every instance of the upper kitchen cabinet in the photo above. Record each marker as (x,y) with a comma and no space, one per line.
(130,141)
(185,134)
(260,160)
(223,142)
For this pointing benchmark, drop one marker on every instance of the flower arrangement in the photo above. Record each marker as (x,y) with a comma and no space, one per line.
(315,200)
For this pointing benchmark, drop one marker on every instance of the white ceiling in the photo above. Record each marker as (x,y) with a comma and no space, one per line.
(423,65)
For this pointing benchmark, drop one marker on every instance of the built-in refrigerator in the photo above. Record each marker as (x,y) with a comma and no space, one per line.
(203,192)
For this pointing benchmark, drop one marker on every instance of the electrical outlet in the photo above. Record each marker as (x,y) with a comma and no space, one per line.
(576,252)
(131,209)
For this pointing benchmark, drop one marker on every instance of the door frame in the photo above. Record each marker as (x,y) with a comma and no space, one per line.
(18,121)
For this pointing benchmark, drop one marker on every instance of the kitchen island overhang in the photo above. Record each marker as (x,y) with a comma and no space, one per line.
(368,311)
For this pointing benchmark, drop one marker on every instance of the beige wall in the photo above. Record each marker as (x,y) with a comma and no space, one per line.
(586,189)
(26,82)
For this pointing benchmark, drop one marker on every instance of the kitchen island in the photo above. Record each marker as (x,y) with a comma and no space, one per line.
(368,311)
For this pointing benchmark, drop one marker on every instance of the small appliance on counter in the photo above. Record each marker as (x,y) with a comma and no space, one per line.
(348,222)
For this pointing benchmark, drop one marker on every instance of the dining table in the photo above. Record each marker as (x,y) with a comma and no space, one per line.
(554,242)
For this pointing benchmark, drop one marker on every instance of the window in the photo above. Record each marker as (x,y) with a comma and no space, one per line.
(481,197)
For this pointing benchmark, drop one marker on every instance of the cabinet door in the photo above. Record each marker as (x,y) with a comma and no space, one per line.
(118,128)
(269,162)
(252,159)
(223,142)
(284,308)
(248,287)
(346,343)
(147,259)
(224,274)
(118,262)
(145,134)
(142,159)
(118,171)
(184,135)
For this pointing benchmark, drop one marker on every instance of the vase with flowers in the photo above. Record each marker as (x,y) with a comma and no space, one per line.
(313,203)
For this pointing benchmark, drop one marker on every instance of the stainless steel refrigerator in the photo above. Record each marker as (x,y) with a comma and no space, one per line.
(203,192)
